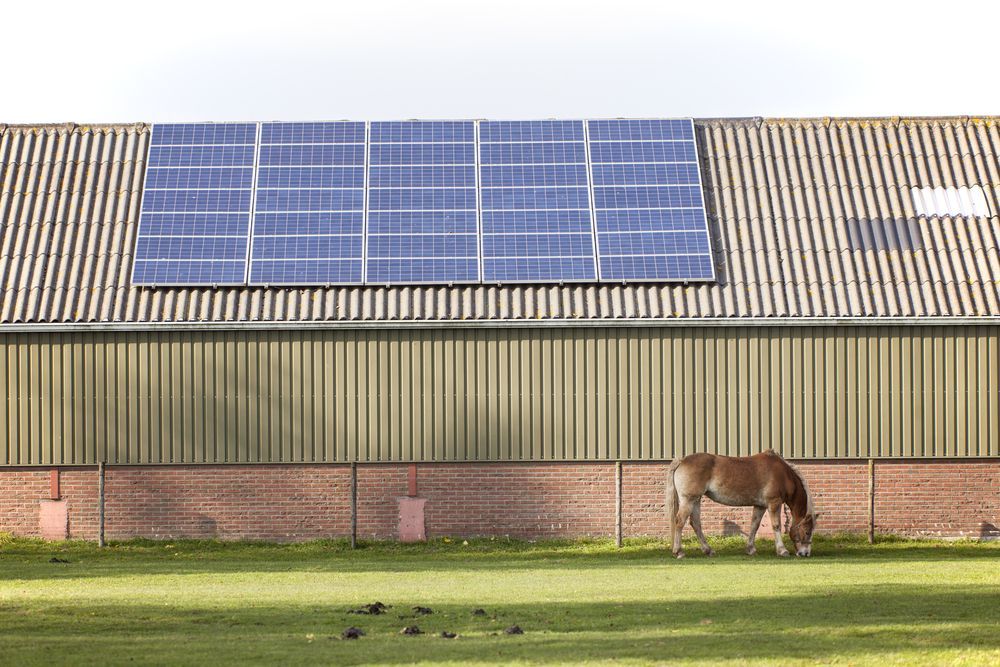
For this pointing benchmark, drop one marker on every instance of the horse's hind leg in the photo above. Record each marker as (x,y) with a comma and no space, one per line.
(696,524)
(774,509)
(758,514)
(684,509)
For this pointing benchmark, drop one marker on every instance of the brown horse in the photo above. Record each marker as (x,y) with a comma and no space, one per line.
(763,481)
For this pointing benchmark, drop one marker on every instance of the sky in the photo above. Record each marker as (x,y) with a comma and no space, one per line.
(504,59)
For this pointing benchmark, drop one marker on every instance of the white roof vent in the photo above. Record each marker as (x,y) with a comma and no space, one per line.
(950,201)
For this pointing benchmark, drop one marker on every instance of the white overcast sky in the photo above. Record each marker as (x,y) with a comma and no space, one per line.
(371,59)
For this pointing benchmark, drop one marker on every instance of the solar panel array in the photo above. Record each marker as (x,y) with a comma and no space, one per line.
(408,202)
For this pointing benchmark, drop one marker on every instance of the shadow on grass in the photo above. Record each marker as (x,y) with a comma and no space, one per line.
(843,623)
(29,559)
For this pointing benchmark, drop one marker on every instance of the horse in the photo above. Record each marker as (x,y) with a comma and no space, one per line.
(763,481)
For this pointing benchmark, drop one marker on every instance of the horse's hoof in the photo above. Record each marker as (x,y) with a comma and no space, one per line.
(784,553)
(709,552)
(751,551)
(679,554)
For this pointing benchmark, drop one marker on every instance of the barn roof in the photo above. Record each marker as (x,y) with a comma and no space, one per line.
(809,218)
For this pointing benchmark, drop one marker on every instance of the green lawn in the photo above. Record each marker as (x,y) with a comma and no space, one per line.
(577,602)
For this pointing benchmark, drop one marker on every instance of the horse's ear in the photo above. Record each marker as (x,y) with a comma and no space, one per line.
(816,516)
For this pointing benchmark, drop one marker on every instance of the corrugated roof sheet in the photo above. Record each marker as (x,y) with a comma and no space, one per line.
(809,218)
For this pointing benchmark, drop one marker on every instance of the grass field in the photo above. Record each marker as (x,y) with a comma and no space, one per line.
(577,602)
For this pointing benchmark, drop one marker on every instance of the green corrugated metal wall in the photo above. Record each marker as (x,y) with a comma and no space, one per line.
(498,394)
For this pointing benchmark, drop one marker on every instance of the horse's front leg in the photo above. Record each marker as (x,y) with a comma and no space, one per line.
(758,514)
(774,509)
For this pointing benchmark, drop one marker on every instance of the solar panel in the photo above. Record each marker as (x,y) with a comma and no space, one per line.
(408,202)
(535,197)
(650,214)
(422,215)
(309,212)
(194,223)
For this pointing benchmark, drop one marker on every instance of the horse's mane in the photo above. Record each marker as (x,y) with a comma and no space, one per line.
(805,487)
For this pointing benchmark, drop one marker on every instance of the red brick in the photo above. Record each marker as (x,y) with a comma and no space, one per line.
(529,500)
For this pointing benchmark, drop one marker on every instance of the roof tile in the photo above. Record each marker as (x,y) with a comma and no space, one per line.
(808,218)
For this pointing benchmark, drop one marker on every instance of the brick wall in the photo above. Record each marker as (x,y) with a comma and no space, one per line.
(534,500)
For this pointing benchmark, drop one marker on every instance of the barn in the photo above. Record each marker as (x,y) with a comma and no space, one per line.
(850,321)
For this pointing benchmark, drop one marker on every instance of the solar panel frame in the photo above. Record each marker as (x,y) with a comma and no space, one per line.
(304,139)
(711,275)
(189,134)
(554,133)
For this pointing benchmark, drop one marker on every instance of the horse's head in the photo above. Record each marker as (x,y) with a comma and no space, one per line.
(801,533)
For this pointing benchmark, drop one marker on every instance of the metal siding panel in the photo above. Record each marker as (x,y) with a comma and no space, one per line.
(686,390)
(928,404)
(962,397)
(291,389)
(923,394)
(768,398)
(327,400)
(665,407)
(507,384)
(156,396)
(559,394)
(55,398)
(304,399)
(700,369)
(794,363)
(778,389)
(602,346)
(255,391)
(9,452)
(121,403)
(656,389)
(177,416)
(864,394)
(380,400)
(940,396)
(811,361)
(536,445)
(498,399)
(423,403)
(885,392)
(271,412)
(43,403)
(521,405)
(201,372)
(448,398)
(558,390)
(951,372)
(980,409)
(340,414)
(892,386)
(91,404)
(464,384)
(993,380)
(903,385)
(752,382)
(241,369)
(630,400)
(838,397)
(744,435)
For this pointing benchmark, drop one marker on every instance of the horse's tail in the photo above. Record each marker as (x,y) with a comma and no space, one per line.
(673,502)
